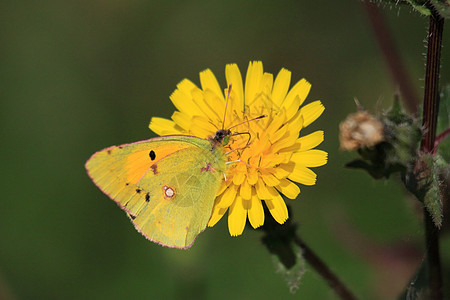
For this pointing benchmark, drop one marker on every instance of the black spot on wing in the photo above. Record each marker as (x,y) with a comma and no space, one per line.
(147,197)
(132,217)
(138,191)
(152,155)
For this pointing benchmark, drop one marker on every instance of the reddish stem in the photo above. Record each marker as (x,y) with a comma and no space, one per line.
(430,113)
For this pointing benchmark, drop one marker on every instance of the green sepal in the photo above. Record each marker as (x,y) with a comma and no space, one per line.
(377,161)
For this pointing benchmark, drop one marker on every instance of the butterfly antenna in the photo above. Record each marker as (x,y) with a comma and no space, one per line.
(257,118)
(226,106)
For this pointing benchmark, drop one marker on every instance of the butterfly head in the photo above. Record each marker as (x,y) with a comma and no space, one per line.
(222,137)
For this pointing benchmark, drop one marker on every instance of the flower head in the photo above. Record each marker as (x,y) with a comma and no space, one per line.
(268,155)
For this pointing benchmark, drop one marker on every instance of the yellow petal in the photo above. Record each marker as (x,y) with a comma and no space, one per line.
(252,176)
(297,121)
(209,83)
(201,127)
(187,87)
(277,207)
(288,188)
(262,190)
(310,158)
(311,112)
(216,215)
(222,188)
(162,126)
(281,87)
(288,140)
(270,160)
(283,170)
(276,122)
(217,104)
(237,216)
(267,83)
(233,76)
(270,179)
(293,148)
(182,120)
(278,134)
(182,98)
(253,80)
(303,175)
(292,107)
(311,140)
(228,196)
(245,190)
(206,110)
(238,178)
(256,212)
(300,90)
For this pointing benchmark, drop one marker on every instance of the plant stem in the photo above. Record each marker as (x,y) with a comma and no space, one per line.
(391,56)
(430,113)
(324,271)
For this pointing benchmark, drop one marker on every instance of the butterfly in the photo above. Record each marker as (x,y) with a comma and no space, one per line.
(166,185)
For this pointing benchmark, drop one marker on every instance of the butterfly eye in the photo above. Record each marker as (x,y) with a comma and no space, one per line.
(152,155)
(225,140)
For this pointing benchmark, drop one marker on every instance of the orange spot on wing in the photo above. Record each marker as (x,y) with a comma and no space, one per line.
(140,162)
(137,165)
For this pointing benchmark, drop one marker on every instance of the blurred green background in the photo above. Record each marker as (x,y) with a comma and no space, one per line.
(78,76)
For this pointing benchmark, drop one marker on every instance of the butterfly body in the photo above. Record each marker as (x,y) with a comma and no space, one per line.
(167,185)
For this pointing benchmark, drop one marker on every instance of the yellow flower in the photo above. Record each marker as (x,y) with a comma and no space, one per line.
(268,155)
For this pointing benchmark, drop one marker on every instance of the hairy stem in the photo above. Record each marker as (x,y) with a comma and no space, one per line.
(430,113)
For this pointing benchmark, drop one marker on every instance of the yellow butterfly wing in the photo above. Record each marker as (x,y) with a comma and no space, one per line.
(167,185)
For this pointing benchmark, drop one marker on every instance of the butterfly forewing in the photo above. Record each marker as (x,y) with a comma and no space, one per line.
(167,185)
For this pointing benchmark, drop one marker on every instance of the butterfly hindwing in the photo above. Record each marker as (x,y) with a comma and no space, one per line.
(166,185)
(180,202)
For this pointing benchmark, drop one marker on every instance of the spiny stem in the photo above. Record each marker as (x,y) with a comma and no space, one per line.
(430,113)
(321,268)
